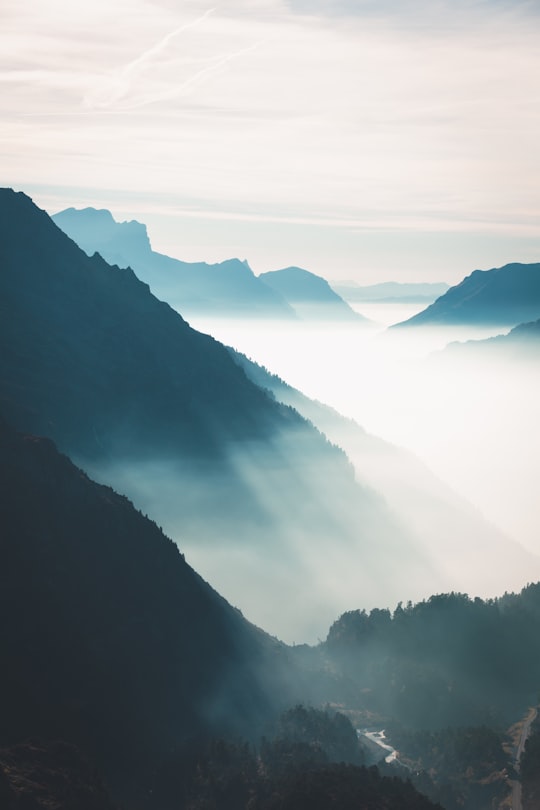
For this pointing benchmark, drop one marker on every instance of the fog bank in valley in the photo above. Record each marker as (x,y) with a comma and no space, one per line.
(471,420)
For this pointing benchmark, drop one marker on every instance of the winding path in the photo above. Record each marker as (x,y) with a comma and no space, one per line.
(525,731)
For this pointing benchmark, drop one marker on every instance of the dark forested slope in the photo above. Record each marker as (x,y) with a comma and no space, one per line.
(94,359)
(109,639)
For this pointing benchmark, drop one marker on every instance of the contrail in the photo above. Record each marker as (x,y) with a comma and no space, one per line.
(119,83)
(178,89)
(159,46)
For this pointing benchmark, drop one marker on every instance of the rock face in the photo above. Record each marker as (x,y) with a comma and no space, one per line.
(122,242)
(226,289)
(503,296)
(310,295)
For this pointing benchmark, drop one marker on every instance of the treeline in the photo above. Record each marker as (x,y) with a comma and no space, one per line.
(447,661)
(462,768)
(311,761)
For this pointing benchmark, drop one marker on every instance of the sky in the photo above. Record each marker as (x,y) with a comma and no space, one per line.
(362,140)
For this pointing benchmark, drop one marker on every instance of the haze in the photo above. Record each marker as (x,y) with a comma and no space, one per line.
(473,423)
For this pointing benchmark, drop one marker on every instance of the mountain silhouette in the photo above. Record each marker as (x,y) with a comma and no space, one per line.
(229,288)
(503,296)
(521,344)
(257,498)
(311,296)
(110,641)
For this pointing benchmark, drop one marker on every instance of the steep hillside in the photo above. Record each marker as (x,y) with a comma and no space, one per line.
(50,776)
(94,360)
(506,295)
(226,289)
(310,295)
(109,639)
(260,500)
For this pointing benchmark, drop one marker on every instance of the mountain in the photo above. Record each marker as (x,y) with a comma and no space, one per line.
(521,344)
(226,289)
(503,296)
(310,295)
(126,676)
(110,640)
(391,291)
(455,535)
(258,499)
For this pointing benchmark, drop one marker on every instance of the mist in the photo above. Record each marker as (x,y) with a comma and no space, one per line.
(283,533)
(436,492)
(470,420)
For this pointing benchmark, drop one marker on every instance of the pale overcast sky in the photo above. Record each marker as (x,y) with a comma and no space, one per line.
(359,139)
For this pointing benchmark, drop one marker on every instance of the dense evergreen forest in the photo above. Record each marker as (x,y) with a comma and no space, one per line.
(311,760)
(450,660)
(446,678)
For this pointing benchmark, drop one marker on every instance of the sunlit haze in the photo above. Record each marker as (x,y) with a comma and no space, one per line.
(474,425)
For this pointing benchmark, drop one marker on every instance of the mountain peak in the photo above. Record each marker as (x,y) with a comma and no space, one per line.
(121,243)
(225,288)
(310,295)
(503,296)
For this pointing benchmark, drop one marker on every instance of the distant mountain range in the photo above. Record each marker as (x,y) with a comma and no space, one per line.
(227,289)
(391,291)
(252,491)
(255,495)
(503,296)
(522,343)
(311,296)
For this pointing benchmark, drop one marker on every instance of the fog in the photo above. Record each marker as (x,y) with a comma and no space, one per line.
(472,421)
(283,533)
(442,495)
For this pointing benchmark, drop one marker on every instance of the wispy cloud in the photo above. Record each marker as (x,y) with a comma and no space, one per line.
(270,115)
(175,90)
(119,85)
